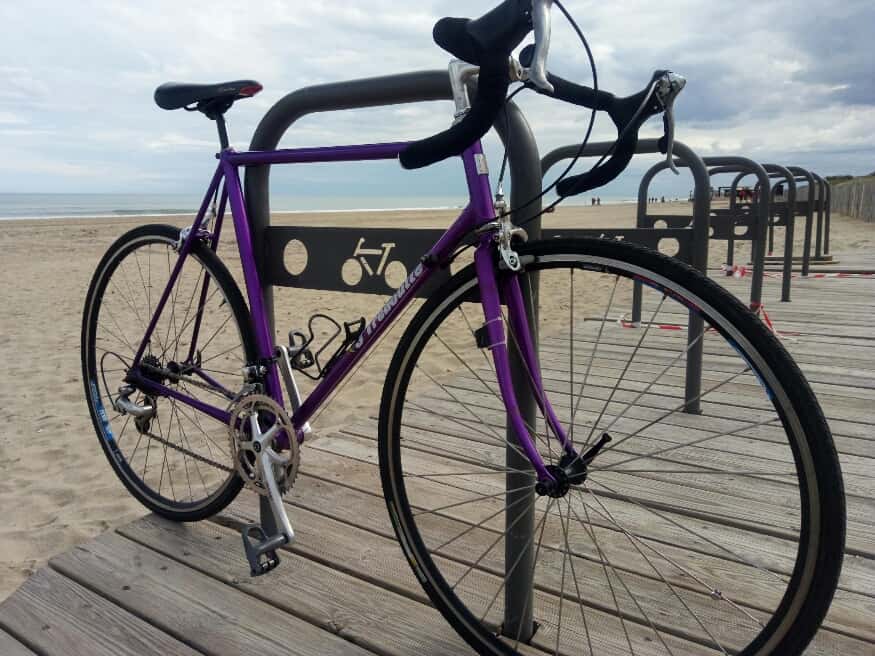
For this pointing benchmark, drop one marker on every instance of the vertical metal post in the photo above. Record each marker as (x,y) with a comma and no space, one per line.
(802,174)
(730,241)
(519,548)
(828,202)
(821,207)
(700,225)
(774,170)
(524,166)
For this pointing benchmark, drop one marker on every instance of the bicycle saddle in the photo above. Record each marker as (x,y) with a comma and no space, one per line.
(174,95)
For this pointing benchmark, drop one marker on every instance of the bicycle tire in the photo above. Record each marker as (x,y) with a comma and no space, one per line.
(810,588)
(227,488)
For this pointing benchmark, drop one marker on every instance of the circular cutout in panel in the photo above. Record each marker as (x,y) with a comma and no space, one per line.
(669,246)
(351,272)
(395,274)
(660,224)
(295,257)
(740,230)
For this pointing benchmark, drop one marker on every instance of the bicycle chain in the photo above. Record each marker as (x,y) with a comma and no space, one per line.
(184,379)
(189,452)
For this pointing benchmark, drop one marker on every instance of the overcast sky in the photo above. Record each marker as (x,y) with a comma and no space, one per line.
(786,82)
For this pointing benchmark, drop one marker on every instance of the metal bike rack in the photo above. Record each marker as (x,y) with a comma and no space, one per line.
(692,240)
(805,208)
(787,208)
(788,220)
(821,237)
(270,241)
(756,223)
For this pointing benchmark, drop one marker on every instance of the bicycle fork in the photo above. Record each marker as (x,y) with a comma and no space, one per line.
(571,467)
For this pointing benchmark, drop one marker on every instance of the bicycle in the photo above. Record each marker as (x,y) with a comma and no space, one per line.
(732,549)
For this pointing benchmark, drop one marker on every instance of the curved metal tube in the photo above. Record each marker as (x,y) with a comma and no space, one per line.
(699,255)
(727,164)
(524,164)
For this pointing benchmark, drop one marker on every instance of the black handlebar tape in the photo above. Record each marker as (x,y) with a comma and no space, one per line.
(603,174)
(486,42)
(563,89)
(503,28)
(452,35)
(491,92)
(622,112)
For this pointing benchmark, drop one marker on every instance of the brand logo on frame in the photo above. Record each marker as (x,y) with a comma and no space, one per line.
(390,304)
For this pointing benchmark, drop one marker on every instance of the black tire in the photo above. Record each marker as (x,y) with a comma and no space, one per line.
(814,578)
(228,487)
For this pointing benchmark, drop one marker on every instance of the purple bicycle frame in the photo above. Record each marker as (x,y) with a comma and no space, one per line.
(493,288)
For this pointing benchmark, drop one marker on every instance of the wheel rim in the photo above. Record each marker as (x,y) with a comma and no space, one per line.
(180,459)
(612,531)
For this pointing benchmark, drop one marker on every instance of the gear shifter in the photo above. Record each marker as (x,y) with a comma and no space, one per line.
(668,87)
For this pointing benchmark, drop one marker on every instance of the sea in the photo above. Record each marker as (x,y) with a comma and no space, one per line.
(71,206)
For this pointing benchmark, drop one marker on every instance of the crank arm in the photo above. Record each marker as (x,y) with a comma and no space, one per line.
(267,457)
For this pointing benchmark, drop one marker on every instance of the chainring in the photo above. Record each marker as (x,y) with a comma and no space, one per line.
(245,450)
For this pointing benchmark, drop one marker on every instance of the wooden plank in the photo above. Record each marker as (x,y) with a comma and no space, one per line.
(365,510)
(761,448)
(366,614)
(667,409)
(378,559)
(208,615)
(57,616)
(366,554)
(9,646)
(860,508)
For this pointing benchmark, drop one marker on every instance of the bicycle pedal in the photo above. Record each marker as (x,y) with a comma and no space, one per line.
(260,549)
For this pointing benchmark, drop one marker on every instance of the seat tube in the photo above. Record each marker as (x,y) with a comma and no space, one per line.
(263,336)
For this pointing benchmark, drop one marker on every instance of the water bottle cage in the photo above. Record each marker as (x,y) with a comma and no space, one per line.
(304,358)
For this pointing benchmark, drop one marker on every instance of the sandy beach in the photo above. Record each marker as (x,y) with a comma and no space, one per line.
(56,489)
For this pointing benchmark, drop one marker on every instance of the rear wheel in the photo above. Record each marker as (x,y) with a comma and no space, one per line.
(177,462)
(711,533)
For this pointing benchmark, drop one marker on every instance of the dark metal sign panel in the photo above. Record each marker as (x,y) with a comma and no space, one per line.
(377,260)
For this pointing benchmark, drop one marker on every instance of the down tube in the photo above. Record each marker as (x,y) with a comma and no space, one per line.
(385,318)
(263,336)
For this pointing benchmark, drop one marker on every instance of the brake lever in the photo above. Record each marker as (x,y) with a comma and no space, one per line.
(668,87)
(537,71)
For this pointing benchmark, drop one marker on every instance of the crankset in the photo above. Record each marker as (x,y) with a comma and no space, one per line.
(256,424)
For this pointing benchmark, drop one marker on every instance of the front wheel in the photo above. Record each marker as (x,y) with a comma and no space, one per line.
(708,532)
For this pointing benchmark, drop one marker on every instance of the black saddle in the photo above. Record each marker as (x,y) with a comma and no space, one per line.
(175,95)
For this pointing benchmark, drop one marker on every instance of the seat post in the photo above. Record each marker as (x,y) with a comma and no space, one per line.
(223,132)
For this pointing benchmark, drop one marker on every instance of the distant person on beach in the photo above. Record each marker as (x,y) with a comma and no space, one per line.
(662,199)
(592,201)
(598,200)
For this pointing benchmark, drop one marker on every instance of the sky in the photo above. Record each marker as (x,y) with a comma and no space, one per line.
(777,81)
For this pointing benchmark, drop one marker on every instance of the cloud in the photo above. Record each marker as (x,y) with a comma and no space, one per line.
(783,81)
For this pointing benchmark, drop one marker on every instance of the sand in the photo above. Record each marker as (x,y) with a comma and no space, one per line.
(56,489)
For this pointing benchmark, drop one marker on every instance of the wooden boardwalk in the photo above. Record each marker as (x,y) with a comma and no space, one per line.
(153,587)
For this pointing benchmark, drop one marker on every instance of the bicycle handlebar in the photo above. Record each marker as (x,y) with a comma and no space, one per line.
(488,42)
